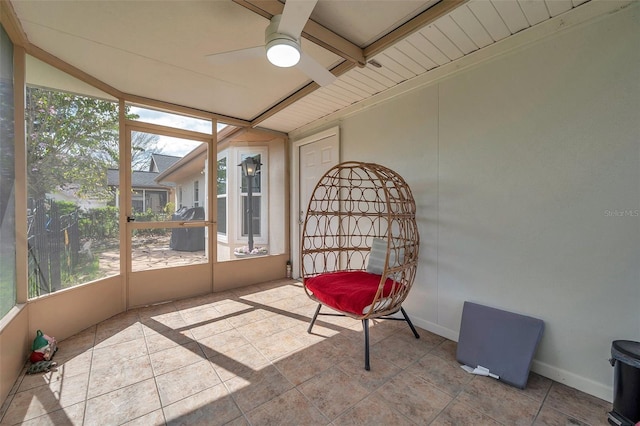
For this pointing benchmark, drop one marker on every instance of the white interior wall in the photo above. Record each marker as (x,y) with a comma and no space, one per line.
(526,173)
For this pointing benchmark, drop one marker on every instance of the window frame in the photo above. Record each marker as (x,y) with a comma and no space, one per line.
(223,237)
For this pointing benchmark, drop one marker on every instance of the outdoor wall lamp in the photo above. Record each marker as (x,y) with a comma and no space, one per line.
(250,167)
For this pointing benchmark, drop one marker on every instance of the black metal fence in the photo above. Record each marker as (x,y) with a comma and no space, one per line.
(54,246)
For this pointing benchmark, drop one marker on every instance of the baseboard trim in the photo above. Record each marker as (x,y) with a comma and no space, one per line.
(559,375)
(436,329)
(573,380)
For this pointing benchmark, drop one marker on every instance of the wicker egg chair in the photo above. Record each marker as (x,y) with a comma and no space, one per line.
(360,241)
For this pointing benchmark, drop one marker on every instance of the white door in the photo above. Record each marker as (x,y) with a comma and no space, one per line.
(313,156)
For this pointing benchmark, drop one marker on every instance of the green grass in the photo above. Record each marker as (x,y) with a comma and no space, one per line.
(86,270)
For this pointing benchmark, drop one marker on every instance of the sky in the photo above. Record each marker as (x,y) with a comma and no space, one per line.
(174,146)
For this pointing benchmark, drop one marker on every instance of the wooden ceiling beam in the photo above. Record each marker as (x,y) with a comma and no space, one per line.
(420,21)
(11,24)
(312,31)
(306,90)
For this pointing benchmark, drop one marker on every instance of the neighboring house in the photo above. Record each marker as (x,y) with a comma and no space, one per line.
(188,177)
(147,193)
(70,193)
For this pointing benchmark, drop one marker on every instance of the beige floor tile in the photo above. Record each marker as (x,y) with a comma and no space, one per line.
(238,421)
(48,398)
(550,417)
(78,343)
(73,366)
(243,291)
(279,344)
(288,320)
(446,350)
(123,405)
(106,356)
(400,349)
(164,324)
(537,387)
(186,381)
(176,357)
(333,392)
(18,382)
(290,304)
(457,414)
(429,339)
(160,341)
(372,411)
(71,415)
(311,339)
(413,397)
(259,350)
(337,322)
(290,408)
(203,302)
(574,403)
(238,361)
(154,418)
(156,312)
(5,406)
(243,318)
(301,366)
(380,330)
(200,315)
(261,329)
(264,297)
(443,374)
(119,375)
(234,307)
(126,321)
(202,330)
(213,406)
(381,371)
(222,342)
(499,401)
(114,336)
(318,333)
(350,343)
(253,390)
(78,363)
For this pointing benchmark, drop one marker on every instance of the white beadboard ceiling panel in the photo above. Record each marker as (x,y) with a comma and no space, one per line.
(473,26)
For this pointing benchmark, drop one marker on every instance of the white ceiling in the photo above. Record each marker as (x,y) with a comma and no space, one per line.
(158,49)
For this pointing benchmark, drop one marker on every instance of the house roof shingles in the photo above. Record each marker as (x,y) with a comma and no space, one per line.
(162,161)
(145,178)
(139,179)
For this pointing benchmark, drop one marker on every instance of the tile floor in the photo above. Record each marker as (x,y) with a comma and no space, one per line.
(244,357)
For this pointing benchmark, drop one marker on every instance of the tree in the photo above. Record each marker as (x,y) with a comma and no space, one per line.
(142,146)
(73,139)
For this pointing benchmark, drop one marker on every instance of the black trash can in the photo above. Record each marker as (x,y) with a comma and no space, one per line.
(625,357)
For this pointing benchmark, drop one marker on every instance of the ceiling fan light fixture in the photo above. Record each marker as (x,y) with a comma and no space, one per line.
(283,52)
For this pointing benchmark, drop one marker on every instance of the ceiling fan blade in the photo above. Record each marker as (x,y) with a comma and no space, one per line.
(224,58)
(317,72)
(295,15)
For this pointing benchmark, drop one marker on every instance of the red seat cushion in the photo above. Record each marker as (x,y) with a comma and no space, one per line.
(350,291)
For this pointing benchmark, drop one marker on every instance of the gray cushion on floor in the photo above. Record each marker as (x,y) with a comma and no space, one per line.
(504,342)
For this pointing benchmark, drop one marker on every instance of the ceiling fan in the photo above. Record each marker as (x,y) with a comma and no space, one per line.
(282,43)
